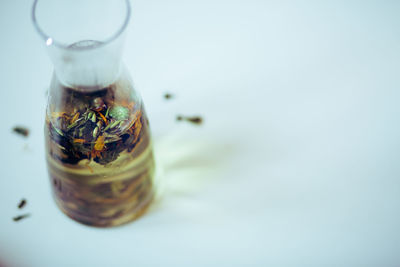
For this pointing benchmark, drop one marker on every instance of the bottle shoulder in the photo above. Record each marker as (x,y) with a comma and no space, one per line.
(92,116)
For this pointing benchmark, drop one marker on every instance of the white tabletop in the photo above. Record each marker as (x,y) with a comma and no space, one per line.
(296,164)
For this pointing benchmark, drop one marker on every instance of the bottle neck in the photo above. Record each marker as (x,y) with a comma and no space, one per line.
(86,65)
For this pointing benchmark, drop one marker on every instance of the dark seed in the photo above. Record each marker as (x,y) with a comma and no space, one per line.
(193,119)
(20,217)
(168,96)
(21,130)
(196,120)
(22,203)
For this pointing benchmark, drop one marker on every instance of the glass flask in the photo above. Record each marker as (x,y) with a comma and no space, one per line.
(98,144)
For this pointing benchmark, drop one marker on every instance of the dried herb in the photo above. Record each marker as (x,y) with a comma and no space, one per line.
(21,130)
(22,203)
(94,128)
(20,217)
(193,119)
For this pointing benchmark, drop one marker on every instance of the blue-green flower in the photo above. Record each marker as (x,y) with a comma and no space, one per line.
(119,113)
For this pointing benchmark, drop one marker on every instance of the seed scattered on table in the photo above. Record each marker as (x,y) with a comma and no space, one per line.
(192,119)
(20,217)
(168,96)
(22,203)
(21,131)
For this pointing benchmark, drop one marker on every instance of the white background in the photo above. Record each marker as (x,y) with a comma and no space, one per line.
(296,164)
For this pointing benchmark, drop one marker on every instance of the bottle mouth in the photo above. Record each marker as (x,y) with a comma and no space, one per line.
(51,23)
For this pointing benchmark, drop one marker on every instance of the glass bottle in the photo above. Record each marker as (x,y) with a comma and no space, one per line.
(98,145)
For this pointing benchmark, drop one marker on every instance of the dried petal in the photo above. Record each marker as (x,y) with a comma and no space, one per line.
(104,118)
(99,145)
(75,117)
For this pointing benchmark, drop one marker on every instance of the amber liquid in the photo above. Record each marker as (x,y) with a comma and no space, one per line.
(103,194)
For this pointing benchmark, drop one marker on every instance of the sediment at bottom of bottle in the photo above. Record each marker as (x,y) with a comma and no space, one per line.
(98,200)
(118,219)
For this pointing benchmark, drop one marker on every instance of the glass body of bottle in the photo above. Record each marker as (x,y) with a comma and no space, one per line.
(98,144)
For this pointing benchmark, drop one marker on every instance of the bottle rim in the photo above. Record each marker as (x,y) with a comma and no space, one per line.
(53,42)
